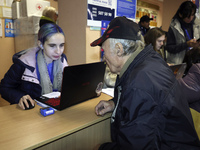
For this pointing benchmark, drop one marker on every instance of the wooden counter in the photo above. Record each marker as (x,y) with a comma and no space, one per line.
(75,128)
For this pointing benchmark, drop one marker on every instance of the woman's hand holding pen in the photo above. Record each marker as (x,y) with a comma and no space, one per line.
(193,43)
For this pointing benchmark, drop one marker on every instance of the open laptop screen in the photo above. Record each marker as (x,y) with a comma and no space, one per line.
(79,84)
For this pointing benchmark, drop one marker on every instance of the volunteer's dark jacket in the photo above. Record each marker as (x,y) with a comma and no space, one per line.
(21,79)
(152,113)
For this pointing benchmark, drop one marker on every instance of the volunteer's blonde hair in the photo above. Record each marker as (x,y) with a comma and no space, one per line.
(49,12)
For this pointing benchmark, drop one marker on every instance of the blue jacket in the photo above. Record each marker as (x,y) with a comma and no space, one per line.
(21,79)
(152,113)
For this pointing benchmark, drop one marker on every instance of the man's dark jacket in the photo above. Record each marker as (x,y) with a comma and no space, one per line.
(152,113)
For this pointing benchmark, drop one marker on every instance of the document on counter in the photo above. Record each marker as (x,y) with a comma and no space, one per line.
(52,95)
(108,91)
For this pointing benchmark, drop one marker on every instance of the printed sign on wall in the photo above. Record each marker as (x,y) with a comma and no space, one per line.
(126,8)
(9,31)
(100,10)
(104,25)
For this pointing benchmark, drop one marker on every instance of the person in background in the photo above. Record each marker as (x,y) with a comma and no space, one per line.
(156,37)
(49,15)
(36,71)
(149,110)
(144,24)
(109,78)
(190,83)
(183,33)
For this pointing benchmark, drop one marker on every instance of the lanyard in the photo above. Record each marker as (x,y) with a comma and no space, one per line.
(50,71)
(186,31)
(37,70)
(188,34)
(189,38)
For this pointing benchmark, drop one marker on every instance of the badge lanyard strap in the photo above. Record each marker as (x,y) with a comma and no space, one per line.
(186,31)
(187,34)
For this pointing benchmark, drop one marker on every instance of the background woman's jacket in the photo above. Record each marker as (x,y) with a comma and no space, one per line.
(176,41)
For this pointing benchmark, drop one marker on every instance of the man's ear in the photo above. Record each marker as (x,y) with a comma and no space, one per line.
(119,49)
(40,44)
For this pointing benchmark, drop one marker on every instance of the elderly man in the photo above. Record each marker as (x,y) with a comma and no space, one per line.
(148,109)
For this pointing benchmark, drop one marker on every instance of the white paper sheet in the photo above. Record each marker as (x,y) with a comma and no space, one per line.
(1,2)
(49,95)
(7,12)
(9,3)
(109,91)
(52,95)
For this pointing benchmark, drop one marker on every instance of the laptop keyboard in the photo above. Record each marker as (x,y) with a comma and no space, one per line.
(53,101)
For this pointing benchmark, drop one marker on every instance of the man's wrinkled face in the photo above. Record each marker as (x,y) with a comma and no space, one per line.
(111,57)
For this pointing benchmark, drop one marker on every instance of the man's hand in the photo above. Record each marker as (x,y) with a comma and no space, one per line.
(103,107)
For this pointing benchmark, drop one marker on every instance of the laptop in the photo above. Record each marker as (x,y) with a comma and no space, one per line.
(178,70)
(80,83)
